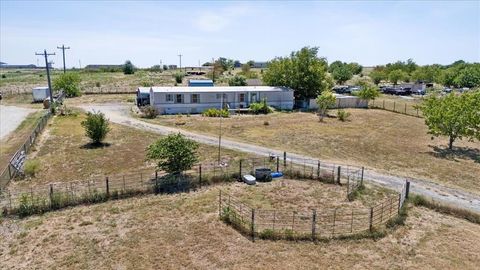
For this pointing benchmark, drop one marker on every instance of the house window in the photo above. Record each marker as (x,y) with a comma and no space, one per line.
(241,97)
(169,98)
(195,98)
(178,98)
(219,96)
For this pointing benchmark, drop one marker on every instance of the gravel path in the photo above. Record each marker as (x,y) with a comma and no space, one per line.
(120,114)
(11,117)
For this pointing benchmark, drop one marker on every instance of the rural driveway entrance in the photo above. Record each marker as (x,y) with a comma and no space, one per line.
(120,114)
(11,117)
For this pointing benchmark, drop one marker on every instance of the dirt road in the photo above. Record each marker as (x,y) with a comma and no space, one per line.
(11,117)
(120,114)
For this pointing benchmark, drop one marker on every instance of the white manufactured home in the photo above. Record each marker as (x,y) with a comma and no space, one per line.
(173,100)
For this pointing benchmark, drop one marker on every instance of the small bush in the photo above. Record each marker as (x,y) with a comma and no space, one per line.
(147,84)
(260,107)
(150,112)
(212,112)
(96,126)
(179,77)
(267,234)
(266,123)
(4,76)
(343,115)
(32,166)
(97,84)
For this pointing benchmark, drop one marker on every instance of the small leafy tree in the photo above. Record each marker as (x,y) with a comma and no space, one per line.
(68,82)
(397,75)
(368,92)
(174,153)
(377,76)
(128,68)
(342,74)
(96,126)
(237,81)
(324,101)
(455,116)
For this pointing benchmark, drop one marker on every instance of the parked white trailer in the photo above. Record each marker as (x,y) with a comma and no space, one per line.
(40,93)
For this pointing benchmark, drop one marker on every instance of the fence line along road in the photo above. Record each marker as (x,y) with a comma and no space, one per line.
(120,114)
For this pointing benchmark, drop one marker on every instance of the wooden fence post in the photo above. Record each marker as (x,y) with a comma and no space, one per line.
(278,163)
(240,169)
(107,187)
(361,179)
(384,104)
(405,108)
(407,190)
(314,222)
(394,106)
(51,195)
(371,219)
(318,170)
(253,225)
(399,202)
(200,175)
(284,160)
(338,174)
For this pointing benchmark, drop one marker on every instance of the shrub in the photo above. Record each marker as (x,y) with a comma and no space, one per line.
(174,153)
(342,115)
(179,77)
(128,68)
(268,234)
(96,126)
(237,81)
(32,166)
(147,84)
(4,76)
(97,84)
(68,82)
(266,123)
(150,112)
(212,112)
(260,107)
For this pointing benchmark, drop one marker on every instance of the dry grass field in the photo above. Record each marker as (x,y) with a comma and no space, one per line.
(65,153)
(386,141)
(182,231)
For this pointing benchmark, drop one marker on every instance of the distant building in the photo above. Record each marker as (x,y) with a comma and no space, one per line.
(31,66)
(260,64)
(100,67)
(172,66)
(200,83)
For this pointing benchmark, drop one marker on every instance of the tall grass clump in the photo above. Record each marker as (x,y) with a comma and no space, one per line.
(212,112)
(32,167)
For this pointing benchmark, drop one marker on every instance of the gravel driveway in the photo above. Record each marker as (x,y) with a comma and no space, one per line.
(11,117)
(120,114)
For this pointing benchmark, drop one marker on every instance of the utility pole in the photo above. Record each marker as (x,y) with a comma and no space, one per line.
(213,70)
(180,55)
(45,54)
(63,51)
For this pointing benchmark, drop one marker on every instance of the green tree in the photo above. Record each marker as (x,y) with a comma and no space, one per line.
(355,68)
(325,101)
(334,65)
(397,75)
(469,76)
(447,77)
(237,81)
(245,68)
(128,67)
(174,153)
(368,92)
(455,116)
(96,126)
(377,76)
(303,71)
(342,74)
(426,74)
(69,82)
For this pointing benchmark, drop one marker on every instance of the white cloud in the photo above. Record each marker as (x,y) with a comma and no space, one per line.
(210,21)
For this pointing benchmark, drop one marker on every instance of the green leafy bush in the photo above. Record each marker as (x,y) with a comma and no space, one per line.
(212,112)
(96,126)
(179,77)
(260,107)
(32,166)
(128,68)
(342,115)
(68,82)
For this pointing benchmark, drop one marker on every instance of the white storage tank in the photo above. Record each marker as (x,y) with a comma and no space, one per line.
(40,93)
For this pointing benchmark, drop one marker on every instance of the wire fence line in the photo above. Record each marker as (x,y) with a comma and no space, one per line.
(398,107)
(313,224)
(15,164)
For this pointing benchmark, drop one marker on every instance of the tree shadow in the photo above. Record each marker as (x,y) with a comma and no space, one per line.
(458,152)
(95,145)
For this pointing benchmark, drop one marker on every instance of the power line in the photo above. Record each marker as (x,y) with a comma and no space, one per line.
(63,51)
(45,54)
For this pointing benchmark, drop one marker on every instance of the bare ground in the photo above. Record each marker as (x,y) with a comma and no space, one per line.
(183,231)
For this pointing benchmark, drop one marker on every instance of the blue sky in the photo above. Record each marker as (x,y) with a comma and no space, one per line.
(147,32)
